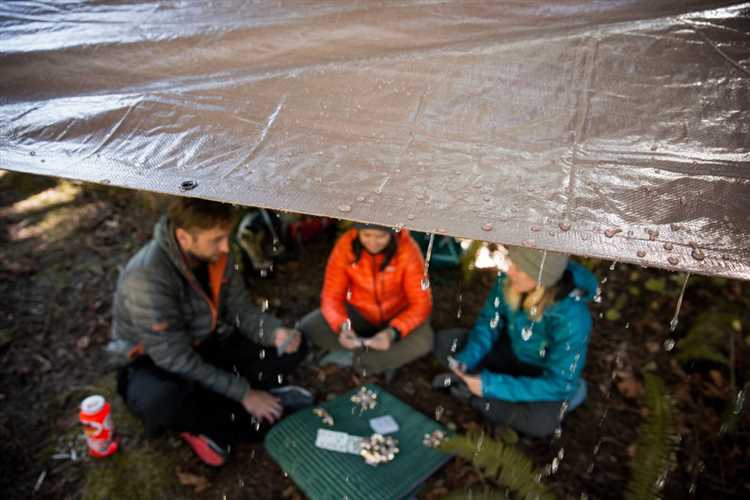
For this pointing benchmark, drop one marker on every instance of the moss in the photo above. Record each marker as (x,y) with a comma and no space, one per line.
(140,470)
(133,473)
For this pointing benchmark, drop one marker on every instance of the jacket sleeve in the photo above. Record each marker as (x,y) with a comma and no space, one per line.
(483,336)
(153,306)
(566,356)
(241,312)
(419,301)
(335,285)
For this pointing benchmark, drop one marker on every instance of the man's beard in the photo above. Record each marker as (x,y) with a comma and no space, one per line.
(200,259)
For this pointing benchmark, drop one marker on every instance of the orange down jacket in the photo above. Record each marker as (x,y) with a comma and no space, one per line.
(393,296)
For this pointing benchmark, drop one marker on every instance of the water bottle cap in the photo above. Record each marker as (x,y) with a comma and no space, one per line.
(92,404)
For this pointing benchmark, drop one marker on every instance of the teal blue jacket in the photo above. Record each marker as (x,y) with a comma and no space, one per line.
(557,342)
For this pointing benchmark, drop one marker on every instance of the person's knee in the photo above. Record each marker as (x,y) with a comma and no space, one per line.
(423,340)
(448,342)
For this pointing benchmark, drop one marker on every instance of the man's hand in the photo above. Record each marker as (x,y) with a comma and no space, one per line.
(262,405)
(349,340)
(473,382)
(381,341)
(288,339)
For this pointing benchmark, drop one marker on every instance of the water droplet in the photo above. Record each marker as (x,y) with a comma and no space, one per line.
(673,260)
(598,295)
(263,273)
(528,243)
(487,226)
(652,234)
(609,233)
(425,283)
(641,253)
(487,198)
(439,412)
(697,254)
(673,324)
(496,302)
(345,208)
(360,198)
(564,226)
(495,321)
(188,185)
(280,378)
(604,280)
(669,344)
(526,333)
(535,228)
(612,267)
(454,345)
(668,247)
(410,216)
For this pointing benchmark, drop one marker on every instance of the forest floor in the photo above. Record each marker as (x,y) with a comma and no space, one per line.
(62,245)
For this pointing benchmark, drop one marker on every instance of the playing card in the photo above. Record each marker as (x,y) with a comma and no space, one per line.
(384,425)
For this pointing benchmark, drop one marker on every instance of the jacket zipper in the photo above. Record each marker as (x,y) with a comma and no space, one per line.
(375,288)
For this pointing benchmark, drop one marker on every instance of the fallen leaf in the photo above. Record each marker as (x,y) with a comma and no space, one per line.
(652,346)
(716,377)
(291,493)
(199,483)
(629,387)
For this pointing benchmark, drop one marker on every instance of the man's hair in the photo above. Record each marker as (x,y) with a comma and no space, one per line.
(195,214)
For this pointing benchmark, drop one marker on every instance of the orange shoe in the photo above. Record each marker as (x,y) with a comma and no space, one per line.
(206,449)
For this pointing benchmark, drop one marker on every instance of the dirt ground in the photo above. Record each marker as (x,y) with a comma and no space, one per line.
(62,245)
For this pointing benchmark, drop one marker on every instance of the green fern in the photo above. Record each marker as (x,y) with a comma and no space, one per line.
(707,339)
(655,443)
(500,463)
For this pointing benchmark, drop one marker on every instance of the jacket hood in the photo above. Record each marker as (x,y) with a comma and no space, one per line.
(164,236)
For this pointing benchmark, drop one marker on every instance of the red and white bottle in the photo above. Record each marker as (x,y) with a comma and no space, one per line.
(97,426)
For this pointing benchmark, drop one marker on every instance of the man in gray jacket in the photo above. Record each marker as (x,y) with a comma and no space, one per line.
(198,356)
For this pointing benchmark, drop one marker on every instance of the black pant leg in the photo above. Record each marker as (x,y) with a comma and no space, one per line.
(165,401)
(536,419)
(261,365)
(154,395)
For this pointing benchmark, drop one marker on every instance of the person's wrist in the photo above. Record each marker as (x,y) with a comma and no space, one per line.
(395,334)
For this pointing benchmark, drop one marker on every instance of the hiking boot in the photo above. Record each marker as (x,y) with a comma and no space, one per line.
(293,397)
(445,381)
(340,357)
(206,448)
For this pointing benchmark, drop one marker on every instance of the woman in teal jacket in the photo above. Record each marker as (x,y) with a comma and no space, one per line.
(521,364)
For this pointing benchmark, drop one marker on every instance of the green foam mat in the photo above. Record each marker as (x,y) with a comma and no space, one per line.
(323,474)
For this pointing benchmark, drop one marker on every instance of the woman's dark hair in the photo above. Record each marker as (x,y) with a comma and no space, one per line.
(389,251)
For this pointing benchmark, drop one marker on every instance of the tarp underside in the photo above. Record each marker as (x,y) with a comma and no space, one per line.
(616,129)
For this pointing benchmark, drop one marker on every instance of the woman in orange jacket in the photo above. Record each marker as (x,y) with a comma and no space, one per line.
(374,311)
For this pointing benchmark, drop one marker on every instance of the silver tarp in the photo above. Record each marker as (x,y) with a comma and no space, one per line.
(617,129)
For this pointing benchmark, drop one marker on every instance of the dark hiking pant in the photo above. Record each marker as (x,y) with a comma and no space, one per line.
(537,419)
(407,349)
(164,400)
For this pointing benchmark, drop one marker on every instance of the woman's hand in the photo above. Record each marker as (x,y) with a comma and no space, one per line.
(473,382)
(349,340)
(381,341)
(287,340)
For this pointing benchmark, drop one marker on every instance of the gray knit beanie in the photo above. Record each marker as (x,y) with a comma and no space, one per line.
(529,261)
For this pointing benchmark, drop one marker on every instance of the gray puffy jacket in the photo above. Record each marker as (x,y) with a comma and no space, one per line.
(160,309)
